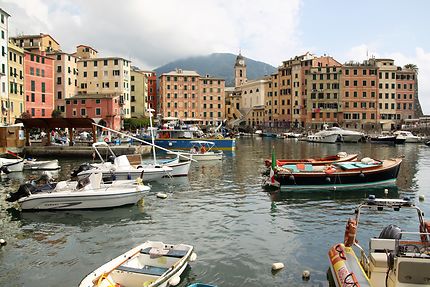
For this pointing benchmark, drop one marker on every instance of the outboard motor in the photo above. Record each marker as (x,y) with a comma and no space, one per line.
(391,232)
(82,167)
(111,159)
(24,190)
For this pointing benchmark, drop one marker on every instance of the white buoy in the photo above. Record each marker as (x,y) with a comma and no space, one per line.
(2,242)
(174,281)
(277,266)
(421,197)
(193,257)
(161,195)
(386,191)
(306,274)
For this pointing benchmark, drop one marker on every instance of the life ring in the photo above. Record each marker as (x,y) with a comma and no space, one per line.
(425,228)
(350,232)
(329,169)
(106,140)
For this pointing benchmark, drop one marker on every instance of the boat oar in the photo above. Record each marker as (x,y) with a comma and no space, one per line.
(142,141)
(14,154)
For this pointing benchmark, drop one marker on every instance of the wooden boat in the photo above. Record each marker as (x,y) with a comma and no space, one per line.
(87,193)
(203,151)
(149,264)
(339,157)
(395,259)
(337,176)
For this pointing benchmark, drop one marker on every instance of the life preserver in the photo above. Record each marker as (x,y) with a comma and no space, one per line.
(350,232)
(425,228)
(329,169)
(106,140)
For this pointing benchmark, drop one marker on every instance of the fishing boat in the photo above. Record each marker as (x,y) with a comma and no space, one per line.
(87,193)
(339,157)
(33,164)
(203,151)
(396,258)
(149,264)
(336,176)
(122,167)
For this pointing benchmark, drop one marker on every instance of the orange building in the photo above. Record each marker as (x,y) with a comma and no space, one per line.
(406,93)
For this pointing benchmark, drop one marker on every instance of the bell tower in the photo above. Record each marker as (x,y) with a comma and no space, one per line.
(239,71)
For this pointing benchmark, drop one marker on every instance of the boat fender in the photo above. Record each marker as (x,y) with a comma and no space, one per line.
(193,257)
(306,275)
(277,266)
(291,177)
(174,281)
(329,169)
(328,179)
(350,232)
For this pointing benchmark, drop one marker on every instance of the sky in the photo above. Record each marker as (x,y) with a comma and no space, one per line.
(154,33)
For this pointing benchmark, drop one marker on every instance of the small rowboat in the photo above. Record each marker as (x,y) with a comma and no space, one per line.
(149,264)
(339,157)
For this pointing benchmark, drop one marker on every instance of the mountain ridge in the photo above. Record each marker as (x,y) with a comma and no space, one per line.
(218,65)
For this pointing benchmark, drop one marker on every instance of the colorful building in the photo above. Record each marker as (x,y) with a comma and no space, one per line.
(15,101)
(4,94)
(152,90)
(65,78)
(407,90)
(36,43)
(39,79)
(104,109)
(138,93)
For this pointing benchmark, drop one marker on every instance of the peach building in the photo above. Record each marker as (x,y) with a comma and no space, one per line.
(102,108)
(359,106)
(36,43)
(406,89)
(39,91)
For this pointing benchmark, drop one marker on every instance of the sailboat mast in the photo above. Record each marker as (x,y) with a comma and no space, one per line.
(152,133)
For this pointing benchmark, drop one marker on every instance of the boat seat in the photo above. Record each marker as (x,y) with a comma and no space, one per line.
(148,270)
(379,260)
(170,253)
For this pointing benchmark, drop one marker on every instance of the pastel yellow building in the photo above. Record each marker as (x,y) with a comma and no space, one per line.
(138,93)
(65,78)
(16,82)
(35,43)
(110,75)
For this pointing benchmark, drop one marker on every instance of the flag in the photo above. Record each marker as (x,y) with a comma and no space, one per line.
(272,169)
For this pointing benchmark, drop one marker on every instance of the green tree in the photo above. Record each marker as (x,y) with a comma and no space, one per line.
(25,115)
(56,114)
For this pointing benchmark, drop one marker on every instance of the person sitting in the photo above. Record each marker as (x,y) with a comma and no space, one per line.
(202,149)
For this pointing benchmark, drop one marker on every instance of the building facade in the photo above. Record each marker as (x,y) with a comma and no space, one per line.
(406,90)
(36,43)
(152,90)
(16,82)
(103,108)
(4,19)
(65,78)
(138,93)
(39,79)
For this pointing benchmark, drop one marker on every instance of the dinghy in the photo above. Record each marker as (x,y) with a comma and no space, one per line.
(150,264)
(339,157)
(33,164)
(87,193)
(203,151)
(396,258)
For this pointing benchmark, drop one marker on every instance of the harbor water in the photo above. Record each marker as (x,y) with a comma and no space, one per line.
(237,229)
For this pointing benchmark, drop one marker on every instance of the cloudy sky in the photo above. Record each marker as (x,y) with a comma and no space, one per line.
(153,33)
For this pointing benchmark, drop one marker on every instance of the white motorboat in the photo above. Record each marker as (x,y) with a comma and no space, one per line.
(320,137)
(149,264)
(408,136)
(8,165)
(87,193)
(179,168)
(123,167)
(395,258)
(33,164)
(202,151)
(345,135)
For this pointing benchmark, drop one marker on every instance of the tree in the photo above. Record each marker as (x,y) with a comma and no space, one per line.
(25,115)
(56,114)
(412,67)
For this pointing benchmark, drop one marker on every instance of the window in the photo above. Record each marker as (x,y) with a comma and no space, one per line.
(58,69)
(105,62)
(98,111)
(83,112)
(58,80)
(33,86)
(43,112)
(43,87)
(43,98)
(95,73)
(33,97)
(59,96)
(95,63)
(85,63)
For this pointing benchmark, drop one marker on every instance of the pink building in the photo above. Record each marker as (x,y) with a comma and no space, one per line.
(39,82)
(104,109)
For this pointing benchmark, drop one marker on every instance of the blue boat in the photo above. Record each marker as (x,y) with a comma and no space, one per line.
(180,139)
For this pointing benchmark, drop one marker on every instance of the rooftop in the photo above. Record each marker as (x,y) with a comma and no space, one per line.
(180,72)
(94,96)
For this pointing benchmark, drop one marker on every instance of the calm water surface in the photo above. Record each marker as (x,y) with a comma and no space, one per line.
(237,229)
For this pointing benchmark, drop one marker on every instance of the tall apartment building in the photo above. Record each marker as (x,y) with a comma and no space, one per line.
(359,106)
(39,91)
(110,75)
(138,93)
(65,78)
(152,90)
(36,43)
(185,94)
(4,18)
(16,82)
(406,89)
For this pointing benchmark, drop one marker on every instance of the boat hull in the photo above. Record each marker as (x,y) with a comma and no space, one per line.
(152,175)
(42,165)
(102,198)
(340,180)
(323,139)
(179,169)
(185,144)
(314,161)
(351,138)
(13,165)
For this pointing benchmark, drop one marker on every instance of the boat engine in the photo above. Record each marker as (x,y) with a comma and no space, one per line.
(24,190)
(391,232)
(4,169)
(82,167)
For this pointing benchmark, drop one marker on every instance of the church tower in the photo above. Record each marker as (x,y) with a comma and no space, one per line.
(239,71)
